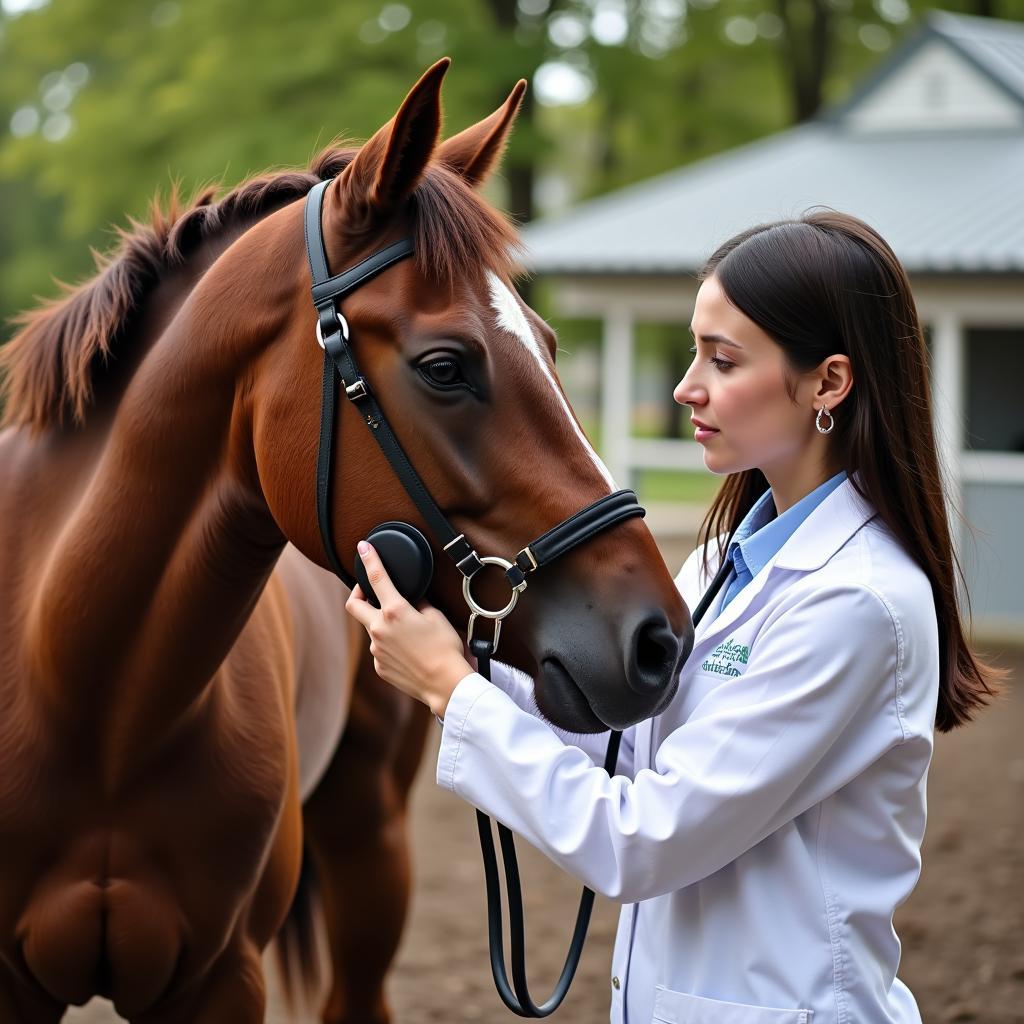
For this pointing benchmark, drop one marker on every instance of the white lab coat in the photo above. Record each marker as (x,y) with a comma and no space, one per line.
(766,825)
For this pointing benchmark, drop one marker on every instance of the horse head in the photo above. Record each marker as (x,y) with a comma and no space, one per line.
(464,372)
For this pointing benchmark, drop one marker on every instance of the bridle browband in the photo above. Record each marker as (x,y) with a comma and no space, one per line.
(334,336)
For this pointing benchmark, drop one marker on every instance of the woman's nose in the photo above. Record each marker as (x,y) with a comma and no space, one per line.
(688,391)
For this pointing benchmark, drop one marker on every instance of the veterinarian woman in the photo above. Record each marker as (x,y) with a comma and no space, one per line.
(762,830)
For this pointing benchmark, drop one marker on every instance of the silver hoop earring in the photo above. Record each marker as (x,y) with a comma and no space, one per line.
(831,421)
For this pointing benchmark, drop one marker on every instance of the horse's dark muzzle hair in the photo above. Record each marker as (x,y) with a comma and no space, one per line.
(606,670)
(653,654)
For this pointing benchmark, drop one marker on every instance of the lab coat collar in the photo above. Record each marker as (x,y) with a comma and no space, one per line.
(826,529)
(812,544)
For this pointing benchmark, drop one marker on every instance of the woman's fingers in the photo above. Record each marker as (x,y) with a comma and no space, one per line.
(359,608)
(387,594)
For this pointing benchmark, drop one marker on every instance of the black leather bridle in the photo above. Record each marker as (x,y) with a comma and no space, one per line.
(334,336)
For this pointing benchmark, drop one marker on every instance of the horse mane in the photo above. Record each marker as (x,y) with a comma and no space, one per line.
(63,348)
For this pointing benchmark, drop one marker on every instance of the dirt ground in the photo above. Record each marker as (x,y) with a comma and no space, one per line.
(962,929)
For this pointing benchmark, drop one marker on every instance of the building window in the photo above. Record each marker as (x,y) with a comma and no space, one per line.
(995,369)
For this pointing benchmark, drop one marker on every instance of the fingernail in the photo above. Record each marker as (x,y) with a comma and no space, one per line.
(363,548)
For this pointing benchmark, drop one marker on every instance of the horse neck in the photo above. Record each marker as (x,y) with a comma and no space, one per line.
(165,551)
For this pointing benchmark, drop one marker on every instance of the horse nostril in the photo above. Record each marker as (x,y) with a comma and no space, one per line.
(654,653)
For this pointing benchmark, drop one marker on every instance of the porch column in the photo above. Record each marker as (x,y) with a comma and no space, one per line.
(949,366)
(617,392)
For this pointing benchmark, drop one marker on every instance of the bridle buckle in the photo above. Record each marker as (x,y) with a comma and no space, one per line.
(356,390)
(473,616)
(533,561)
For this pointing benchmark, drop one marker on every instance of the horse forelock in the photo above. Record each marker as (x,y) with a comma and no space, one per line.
(49,369)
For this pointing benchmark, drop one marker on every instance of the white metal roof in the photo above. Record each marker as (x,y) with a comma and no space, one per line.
(947,201)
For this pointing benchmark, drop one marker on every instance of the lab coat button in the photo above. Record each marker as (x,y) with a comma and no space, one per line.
(615,981)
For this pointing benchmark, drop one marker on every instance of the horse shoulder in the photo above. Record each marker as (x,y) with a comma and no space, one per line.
(325,646)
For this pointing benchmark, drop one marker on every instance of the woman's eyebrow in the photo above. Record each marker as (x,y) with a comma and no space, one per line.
(715,339)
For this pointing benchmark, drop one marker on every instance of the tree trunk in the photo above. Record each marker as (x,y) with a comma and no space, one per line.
(519,176)
(806,52)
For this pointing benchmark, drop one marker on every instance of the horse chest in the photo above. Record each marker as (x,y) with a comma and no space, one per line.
(114,895)
(126,830)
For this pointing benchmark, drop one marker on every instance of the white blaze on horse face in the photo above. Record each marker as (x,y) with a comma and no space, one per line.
(511,317)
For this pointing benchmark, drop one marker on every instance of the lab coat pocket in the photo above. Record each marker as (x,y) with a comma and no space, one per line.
(679,1008)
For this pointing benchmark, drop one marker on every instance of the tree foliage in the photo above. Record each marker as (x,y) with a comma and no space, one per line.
(102,102)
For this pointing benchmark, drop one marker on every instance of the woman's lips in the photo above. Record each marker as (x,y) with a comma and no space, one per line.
(701,431)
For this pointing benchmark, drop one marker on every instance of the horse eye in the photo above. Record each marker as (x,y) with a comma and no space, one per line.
(443,373)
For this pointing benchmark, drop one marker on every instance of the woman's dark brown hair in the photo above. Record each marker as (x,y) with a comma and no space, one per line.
(824,284)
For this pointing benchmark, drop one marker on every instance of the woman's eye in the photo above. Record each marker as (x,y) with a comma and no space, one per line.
(443,373)
(718,364)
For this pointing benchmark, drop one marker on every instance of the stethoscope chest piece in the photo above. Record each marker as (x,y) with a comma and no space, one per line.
(407,559)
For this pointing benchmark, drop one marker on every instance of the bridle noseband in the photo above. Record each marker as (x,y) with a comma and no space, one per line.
(334,336)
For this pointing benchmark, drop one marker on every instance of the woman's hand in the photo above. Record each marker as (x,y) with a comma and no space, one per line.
(415,649)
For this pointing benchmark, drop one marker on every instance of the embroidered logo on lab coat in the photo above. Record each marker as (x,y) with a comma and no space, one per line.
(727,659)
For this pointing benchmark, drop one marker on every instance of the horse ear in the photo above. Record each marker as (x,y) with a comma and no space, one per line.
(389,166)
(475,152)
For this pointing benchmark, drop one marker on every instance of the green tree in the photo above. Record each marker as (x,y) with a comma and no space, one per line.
(101,102)
(112,100)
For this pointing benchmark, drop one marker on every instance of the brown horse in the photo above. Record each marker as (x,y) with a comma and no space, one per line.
(184,702)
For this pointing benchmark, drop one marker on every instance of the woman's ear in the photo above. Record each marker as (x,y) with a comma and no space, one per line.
(834,377)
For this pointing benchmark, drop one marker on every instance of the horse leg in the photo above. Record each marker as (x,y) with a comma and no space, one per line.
(19,1006)
(356,830)
(233,992)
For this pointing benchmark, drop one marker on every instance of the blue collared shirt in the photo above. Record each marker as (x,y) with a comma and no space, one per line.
(761,534)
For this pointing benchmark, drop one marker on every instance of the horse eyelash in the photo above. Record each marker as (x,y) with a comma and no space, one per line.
(461,384)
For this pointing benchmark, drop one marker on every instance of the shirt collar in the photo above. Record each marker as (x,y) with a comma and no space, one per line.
(761,534)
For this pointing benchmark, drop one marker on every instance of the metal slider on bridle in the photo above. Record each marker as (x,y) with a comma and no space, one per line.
(342,327)
(516,573)
(469,564)
(356,390)
(528,554)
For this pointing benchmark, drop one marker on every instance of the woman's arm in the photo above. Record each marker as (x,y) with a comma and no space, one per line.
(519,687)
(816,706)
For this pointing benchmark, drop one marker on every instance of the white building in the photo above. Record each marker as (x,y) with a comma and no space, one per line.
(930,151)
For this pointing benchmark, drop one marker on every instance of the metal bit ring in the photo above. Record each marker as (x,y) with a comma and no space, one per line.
(477,610)
(467,583)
